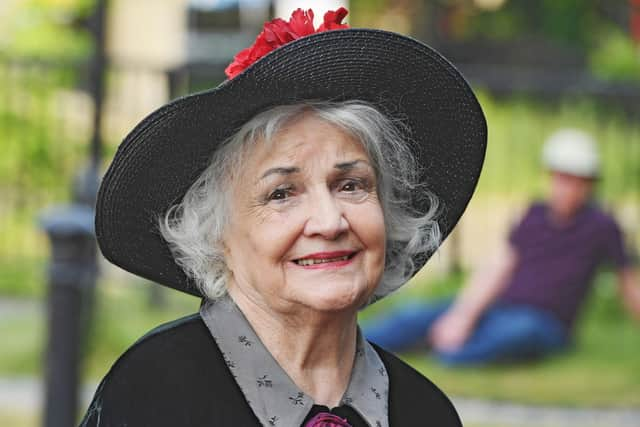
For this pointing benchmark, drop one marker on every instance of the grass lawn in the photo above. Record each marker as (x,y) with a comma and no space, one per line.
(23,277)
(577,379)
(19,419)
(603,370)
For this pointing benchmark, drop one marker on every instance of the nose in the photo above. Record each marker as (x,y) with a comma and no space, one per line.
(325,217)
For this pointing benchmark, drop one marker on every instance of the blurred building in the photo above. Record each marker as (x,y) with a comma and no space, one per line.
(159,50)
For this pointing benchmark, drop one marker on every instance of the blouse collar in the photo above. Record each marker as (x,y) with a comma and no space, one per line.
(274,398)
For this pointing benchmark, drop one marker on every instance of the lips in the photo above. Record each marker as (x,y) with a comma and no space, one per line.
(325,258)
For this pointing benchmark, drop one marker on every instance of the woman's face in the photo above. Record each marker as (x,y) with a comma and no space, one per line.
(306,227)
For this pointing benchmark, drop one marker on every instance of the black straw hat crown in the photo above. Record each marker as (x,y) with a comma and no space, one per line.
(402,77)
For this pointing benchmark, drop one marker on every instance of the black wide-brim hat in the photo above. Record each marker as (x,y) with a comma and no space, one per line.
(160,159)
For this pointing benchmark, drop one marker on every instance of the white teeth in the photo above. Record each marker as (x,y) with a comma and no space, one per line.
(320,261)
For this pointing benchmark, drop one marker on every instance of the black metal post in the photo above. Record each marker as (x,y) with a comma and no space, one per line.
(73,269)
(72,277)
(96,79)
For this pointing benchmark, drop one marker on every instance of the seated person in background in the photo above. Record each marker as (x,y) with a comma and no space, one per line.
(524,304)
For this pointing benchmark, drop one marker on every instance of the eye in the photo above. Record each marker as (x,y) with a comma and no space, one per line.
(350,185)
(280,194)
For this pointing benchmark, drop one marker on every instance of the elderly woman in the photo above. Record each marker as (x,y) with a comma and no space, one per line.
(317,179)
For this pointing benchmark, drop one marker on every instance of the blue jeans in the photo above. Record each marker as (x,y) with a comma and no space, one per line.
(503,333)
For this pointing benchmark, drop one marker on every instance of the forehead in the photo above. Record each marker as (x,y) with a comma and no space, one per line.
(571,179)
(306,138)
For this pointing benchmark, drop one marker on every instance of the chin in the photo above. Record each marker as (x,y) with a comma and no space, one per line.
(335,302)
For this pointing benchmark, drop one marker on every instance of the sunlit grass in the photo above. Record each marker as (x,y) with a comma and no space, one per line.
(22,344)
(19,418)
(576,379)
(603,369)
(23,276)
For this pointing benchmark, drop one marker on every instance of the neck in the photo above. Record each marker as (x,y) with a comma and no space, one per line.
(564,216)
(559,217)
(316,350)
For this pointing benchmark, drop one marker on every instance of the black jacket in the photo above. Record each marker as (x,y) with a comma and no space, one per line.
(176,376)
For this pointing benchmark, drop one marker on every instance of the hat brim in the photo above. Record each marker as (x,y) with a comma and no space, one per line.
(405,79)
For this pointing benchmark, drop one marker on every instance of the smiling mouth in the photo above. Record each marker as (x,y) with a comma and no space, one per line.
(315,261)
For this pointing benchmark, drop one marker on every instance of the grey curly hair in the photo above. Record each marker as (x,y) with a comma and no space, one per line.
(194,227)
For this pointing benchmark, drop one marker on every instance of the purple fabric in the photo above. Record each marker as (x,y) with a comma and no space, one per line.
(325,419)
(557,263)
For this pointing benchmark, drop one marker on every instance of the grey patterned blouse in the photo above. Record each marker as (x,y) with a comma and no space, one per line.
(272,395)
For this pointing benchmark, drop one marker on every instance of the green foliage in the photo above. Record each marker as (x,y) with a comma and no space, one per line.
(582,25)
(616,57)
(568,22)
(34,154)
(46,29)
(573,22)
(39,155)
(49,41)
(519,126)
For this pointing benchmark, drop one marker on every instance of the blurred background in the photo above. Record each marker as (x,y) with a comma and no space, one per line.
(77,75)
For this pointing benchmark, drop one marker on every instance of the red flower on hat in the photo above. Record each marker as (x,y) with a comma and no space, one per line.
(333,20)
(279,32)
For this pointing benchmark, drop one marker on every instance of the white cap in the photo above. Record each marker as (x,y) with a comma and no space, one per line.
(573,152)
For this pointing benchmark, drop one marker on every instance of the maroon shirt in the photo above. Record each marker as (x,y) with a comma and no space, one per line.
(557,263)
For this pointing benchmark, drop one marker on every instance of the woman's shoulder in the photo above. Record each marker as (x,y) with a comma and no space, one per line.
(173,375)
(171,348)
(413,398)
(185,334)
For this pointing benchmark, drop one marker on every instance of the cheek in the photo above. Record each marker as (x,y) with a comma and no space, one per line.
(561,191)
(585,192)
(572,193)
(369,225)
(373,236)
(269,240)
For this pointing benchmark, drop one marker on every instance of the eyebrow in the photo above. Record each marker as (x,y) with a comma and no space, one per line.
(283,170)
(347,166)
